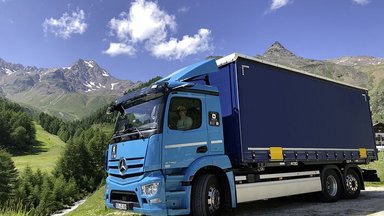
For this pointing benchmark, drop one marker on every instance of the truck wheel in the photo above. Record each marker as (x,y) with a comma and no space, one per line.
(205,196)
(352,185)
(331,187)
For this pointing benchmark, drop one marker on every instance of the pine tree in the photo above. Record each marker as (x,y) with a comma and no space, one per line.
(8,177)
(75,163)
(5,132)
(20,139)
(97,146)
(25,188)
(47,202)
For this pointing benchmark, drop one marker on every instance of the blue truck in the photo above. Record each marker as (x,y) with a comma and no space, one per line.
(237,129)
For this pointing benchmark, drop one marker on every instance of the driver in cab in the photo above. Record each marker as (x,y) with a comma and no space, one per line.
(184,122)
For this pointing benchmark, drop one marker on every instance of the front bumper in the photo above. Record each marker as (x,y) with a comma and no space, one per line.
(118,192)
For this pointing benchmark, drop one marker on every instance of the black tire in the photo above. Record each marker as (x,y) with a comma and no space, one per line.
(352,185)
(205,198)
(331,187)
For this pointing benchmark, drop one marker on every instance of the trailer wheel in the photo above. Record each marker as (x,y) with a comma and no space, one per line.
(205,195)
(352,185)
(331,187)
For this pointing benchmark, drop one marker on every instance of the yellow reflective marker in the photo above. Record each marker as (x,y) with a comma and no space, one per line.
(276,153)
(363,152)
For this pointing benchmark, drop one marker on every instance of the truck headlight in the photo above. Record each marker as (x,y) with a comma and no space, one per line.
(150,189)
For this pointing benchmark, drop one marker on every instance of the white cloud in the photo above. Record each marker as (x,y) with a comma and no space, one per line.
(276,4)
(147,25)
(174,49)
(66,25)
(116,49)
(361,2)
(145,21)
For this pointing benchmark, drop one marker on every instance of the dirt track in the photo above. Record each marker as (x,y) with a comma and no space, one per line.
(370,202)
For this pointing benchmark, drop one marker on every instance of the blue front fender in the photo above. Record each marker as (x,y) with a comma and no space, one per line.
(219,161)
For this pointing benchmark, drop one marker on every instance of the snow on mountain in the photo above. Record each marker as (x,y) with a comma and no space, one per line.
(89,63)
(8,71)
(83,76)
(76,90)
(357,60)
(113,85)
(105,73)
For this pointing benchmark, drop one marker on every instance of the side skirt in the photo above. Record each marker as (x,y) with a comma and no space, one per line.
(271,189)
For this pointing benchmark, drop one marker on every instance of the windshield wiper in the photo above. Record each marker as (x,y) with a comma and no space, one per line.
(131,129)
(138,131)
(117,133)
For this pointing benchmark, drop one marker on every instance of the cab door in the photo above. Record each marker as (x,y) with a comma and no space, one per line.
(184,141)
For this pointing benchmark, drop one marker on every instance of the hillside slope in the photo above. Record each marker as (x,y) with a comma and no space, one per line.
(52,148)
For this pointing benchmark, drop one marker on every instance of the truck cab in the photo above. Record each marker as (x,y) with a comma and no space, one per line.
(168,136)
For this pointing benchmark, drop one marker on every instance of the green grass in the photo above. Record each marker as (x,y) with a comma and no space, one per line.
(95,206)
(6,212)
(379,167)
(13,208)
(52,148)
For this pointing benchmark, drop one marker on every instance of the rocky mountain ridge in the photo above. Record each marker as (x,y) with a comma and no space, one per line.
(83,76)
(62,91)
(357,61)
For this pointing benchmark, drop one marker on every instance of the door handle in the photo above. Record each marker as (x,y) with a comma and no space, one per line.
(202,149)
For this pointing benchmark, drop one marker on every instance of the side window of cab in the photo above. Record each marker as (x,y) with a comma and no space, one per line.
(184,113)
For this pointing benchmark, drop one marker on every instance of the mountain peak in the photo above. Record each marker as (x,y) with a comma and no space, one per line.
(278,50)
(277,45)
(85,63)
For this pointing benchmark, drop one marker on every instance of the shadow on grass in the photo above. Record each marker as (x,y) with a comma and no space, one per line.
(36,149)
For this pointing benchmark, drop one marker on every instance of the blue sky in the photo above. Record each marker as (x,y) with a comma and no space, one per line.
(140,39)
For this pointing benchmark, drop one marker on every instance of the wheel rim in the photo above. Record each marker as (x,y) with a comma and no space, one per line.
(351,183)
(213,199)
(331,185)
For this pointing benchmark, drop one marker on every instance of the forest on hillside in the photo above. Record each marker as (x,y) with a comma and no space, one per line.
(78,172)
(17,131)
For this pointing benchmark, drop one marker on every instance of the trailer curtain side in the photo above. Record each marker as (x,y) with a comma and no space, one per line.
(311,118)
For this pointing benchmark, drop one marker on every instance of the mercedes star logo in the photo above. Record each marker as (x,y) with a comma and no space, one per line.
(122,165)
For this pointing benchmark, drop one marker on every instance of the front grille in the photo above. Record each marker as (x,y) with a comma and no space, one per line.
(127,159)
(134,168)
(127,175)
(124,196)
(128,197)
(129,166)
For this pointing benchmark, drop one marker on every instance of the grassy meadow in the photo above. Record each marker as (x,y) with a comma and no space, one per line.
(50,151)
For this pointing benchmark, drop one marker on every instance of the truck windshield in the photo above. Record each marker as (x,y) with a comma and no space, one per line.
(139,116)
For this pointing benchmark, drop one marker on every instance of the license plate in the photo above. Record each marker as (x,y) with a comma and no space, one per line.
(122,206)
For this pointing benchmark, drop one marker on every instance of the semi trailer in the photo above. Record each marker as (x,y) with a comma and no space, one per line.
(237,129)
